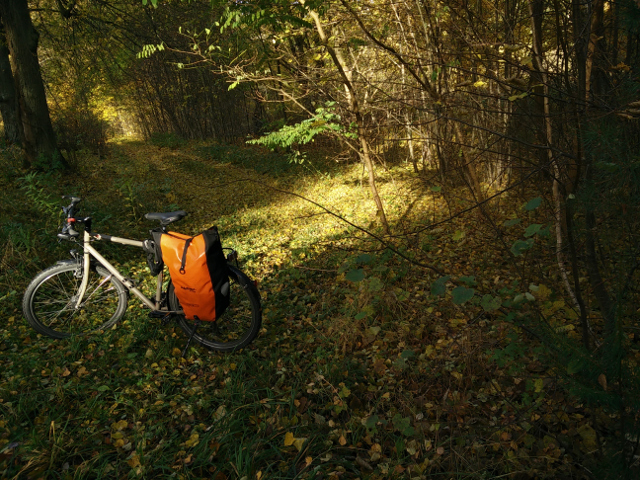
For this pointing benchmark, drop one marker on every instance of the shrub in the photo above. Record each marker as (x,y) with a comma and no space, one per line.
(80,129)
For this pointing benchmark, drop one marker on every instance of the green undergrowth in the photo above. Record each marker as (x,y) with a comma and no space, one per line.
(363,368)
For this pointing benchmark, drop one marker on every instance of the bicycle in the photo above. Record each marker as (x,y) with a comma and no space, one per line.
(74,296)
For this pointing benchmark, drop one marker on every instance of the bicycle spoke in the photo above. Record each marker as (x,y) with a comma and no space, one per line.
(55,307)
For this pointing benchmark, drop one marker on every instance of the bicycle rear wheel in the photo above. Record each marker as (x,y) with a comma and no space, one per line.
(50,302)
(237,326)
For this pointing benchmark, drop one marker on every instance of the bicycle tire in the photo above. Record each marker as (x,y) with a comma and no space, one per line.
(237,327)
(48,301)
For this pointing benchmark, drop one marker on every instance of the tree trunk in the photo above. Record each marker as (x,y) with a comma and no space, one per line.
(8,100)
(22,39)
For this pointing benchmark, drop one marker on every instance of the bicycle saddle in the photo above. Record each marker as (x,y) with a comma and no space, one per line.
(167,217)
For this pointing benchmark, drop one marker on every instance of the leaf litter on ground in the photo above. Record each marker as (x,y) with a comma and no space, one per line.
(364,368)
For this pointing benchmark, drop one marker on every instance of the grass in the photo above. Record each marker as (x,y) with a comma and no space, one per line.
(354,375)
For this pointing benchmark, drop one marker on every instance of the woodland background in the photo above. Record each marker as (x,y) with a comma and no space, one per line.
(438,199)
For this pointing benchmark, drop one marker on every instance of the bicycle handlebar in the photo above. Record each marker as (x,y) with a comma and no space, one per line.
(70,210)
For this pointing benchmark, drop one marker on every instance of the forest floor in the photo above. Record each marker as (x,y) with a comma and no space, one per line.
(362,368)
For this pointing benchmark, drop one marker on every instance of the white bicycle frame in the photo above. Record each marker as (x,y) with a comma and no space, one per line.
(89,251)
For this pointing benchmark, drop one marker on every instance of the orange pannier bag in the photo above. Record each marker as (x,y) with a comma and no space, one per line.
(198,271)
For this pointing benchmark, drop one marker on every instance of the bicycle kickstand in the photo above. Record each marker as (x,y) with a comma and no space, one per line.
(196,323)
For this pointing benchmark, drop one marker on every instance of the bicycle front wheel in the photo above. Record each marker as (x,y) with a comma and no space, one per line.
(237,326)
(50,303)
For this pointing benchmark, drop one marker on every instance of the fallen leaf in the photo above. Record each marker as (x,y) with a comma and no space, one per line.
(194,439)
(134,461)
(602,380)
(364,464)
(120,425)
(288,439)
(298,442)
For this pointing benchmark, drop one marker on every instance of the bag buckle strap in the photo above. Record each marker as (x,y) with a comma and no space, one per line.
(184,256)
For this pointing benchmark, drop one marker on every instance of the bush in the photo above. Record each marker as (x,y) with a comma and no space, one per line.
(80,129)
(168,140)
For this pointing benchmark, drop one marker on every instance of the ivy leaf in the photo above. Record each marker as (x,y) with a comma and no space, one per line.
(533,204)
(363,259)
(355,276)
(521,246)
(370,423)
(375,284)
(408,354)
(532,229)
(439,287)
(469,281)
(490,303)
(462,294)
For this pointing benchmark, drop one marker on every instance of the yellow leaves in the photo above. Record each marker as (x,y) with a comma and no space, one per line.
(119,425)
(589,437)
(82,371)
(66,372)
(289,440)
(539,385)
(176,352)
(412,447)
(134,461)
(480,83)
(194,439)
(375,452)
(298,442)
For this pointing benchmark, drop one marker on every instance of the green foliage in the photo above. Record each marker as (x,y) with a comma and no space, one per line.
(37,188)
(167,140)
(439,287)
(150,49)
(323,122)
(462,294)
(80,129)
(533,204)
(521,246)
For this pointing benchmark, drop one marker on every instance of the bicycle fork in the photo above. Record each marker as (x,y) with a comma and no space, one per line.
(86,268)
